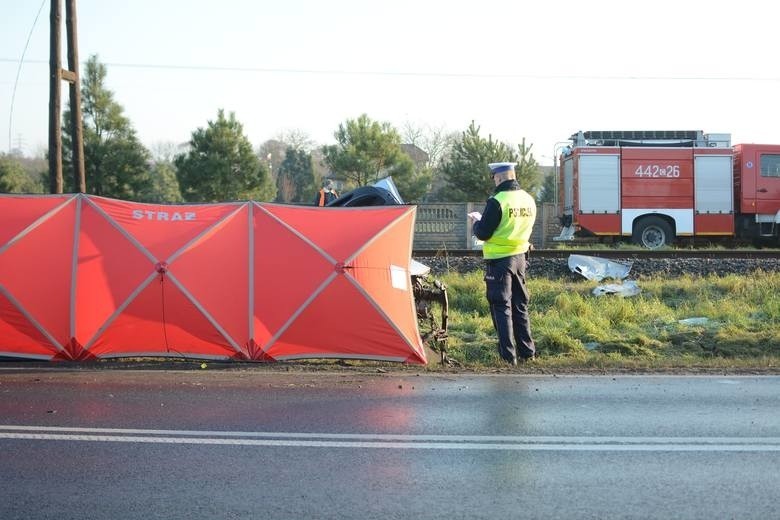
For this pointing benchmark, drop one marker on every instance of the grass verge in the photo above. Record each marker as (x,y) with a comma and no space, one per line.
(688,322)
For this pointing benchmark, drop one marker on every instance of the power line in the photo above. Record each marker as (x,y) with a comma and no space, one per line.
(465,75)
(18,72)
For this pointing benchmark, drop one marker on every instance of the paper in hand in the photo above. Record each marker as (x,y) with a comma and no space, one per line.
(475,215)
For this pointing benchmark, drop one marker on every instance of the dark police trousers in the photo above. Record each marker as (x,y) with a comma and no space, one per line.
(508,299)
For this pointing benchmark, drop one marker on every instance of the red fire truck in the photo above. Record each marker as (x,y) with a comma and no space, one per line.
(656,186)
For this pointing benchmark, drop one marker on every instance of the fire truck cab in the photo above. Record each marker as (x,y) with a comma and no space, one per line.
(655,186)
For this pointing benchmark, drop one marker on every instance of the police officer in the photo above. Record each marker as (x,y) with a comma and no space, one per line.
(505,225)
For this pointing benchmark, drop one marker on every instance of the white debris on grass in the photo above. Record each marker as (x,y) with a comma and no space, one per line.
(597,269)
(627,288)
(699,320)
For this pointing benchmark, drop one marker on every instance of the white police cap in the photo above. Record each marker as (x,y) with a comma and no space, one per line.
(501,167)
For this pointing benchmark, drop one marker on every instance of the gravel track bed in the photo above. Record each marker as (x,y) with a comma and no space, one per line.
(558,267)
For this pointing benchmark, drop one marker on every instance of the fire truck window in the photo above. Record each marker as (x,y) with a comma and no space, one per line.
(770,165)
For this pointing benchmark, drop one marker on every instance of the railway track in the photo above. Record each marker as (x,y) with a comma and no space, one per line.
(615,253)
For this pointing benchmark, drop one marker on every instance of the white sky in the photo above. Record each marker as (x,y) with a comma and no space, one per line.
(537,69)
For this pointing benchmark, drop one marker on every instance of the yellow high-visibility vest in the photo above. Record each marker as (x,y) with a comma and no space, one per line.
(513,234)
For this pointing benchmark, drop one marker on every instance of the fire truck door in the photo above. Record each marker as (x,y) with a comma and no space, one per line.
(599,179)
(568,187)
(713,184)
(768,183)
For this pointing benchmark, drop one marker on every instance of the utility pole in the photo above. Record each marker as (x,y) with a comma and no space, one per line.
(75,97)
(56,74)
(55,100)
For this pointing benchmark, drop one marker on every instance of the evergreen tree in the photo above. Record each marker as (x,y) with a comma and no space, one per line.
(415,187)
(116,163)
(367,151)
(528,171)
(547,193)
(295,178)
(221,166)
(164,187)
(466,172)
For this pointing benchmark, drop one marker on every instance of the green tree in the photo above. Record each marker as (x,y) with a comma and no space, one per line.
(367,151)
(116,163)
(164,187)
(528,171)
(15,179)
(295,177)
(220,165)
(466,172)
(413,188)
(547,192)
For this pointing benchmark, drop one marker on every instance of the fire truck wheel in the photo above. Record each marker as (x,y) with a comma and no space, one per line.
(652,232)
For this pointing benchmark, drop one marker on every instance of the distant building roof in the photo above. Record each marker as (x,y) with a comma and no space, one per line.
(418,155)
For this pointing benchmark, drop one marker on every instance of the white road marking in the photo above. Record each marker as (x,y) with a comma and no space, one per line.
(392,441)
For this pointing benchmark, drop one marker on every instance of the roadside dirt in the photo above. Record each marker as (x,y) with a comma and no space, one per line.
(366,367)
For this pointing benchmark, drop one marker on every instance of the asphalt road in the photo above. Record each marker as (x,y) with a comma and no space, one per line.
(121,444)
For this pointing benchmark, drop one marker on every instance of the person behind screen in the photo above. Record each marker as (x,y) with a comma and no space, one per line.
(326,194)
